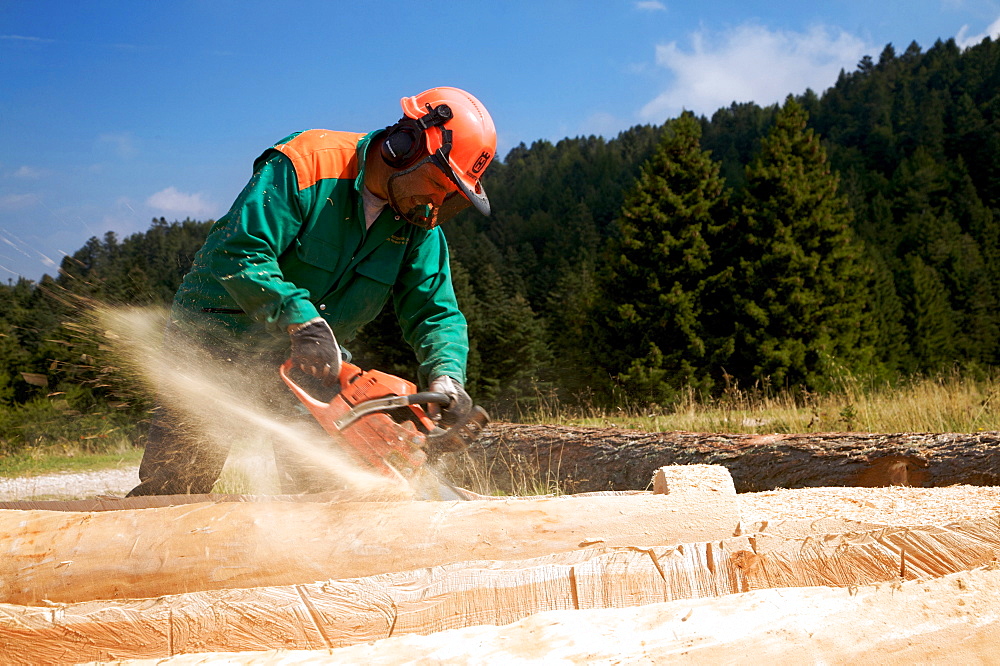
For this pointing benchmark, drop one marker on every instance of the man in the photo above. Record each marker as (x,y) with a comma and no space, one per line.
(329,228)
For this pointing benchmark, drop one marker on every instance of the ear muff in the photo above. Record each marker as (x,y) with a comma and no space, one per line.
(403,144)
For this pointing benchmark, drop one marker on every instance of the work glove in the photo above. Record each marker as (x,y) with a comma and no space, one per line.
(461,403)
(315,351)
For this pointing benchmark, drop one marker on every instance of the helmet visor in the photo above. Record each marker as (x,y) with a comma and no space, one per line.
(425,195)
(475,193)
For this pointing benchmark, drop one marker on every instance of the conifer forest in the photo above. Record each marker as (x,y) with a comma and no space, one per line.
(854,230)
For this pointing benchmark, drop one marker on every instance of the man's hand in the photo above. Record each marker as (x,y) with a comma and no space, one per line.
(315,351)
(461,403)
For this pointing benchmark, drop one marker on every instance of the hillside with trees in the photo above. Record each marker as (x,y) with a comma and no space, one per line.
(847,232)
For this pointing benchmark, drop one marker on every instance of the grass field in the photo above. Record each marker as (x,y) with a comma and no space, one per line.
(47,461)
(951,403)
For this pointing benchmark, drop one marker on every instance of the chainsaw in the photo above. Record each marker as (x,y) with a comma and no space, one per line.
(382,422)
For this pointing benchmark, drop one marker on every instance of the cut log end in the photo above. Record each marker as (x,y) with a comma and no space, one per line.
(680,479)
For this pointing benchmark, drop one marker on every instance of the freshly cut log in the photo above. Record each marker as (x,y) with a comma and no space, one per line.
(953,620)
(339,613)
(582,459)
(60,556)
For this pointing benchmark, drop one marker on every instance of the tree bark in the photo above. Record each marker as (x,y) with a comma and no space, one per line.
(513,458)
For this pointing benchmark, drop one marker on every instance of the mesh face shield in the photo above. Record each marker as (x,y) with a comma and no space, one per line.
(425,194)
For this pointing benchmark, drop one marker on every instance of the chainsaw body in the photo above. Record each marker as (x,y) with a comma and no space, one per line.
(382,421)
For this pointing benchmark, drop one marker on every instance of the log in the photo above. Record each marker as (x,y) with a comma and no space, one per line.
(954,620)
(60,556)
(340,613)
(512,456)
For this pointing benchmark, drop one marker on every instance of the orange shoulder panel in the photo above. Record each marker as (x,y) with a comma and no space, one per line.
(319,154)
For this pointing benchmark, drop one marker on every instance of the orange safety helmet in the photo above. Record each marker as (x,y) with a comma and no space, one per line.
(466,141)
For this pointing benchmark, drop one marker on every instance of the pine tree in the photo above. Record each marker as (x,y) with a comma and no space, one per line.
(888,315)
(931,320)
(570,302)
(651,307)
(940,219)
(800,287)
(509,338)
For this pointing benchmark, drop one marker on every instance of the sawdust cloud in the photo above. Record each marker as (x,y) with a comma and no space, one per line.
(233,411)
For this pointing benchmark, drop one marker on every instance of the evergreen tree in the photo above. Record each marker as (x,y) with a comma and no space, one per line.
(13,357)
(800,287)
(511,351)
(733,136)
(570,303)
(940,219)
(888,315)
(931,321)
(652,312)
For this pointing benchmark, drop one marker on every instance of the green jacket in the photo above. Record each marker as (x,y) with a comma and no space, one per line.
(294,246)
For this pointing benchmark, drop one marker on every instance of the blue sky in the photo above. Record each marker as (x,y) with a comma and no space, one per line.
(113,113)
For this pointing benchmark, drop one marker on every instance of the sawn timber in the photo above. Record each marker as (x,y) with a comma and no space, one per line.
(586,459)
(342,612)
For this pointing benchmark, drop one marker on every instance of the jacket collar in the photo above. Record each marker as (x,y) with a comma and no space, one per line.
(362,150)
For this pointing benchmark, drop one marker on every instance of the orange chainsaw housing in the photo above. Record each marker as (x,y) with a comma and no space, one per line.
(394,448)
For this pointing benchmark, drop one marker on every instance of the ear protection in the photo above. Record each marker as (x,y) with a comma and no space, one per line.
(404,142)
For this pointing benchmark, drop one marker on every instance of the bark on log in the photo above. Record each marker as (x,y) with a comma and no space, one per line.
(511,457)
(65,557)
(349,612)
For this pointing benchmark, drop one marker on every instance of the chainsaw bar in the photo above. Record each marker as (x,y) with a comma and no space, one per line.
(428,484)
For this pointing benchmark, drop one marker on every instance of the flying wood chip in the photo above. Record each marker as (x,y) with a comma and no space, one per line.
(35,379)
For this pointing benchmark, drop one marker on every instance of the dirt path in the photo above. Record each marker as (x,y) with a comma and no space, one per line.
(70,485)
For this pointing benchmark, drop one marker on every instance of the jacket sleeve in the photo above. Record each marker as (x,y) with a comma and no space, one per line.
(262,224)
(425,304)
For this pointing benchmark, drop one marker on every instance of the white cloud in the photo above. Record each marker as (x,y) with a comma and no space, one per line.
(650,6)
(122,143)
(601,124)
(18,201)
(27,172)
(25,38)
(965,40)
(172,201)
(750,63)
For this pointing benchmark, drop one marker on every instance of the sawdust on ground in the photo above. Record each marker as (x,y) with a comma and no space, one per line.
(895,505)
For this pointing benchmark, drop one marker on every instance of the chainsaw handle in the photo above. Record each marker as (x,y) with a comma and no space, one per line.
(299,392)
(424,398)
(388,403)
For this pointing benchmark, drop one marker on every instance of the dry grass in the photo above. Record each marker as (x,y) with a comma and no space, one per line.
(949,403)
